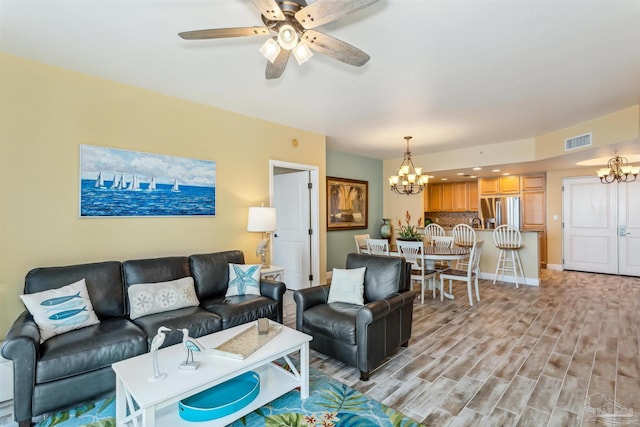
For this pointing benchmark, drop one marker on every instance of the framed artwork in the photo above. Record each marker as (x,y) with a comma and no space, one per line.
(347,204)
(122,183)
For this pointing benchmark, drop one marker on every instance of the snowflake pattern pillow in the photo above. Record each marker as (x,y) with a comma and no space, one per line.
(244,279)
(150,298)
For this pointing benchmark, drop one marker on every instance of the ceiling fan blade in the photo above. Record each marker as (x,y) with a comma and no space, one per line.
(324,11)
(222,33)
(276,69)
(269,9)
(336,49)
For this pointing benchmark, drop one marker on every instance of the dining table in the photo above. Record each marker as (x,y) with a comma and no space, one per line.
(432,254)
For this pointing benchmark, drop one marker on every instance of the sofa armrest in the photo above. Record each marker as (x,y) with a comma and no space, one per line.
(274,290)
(376,310)
(307,298)
(22,345)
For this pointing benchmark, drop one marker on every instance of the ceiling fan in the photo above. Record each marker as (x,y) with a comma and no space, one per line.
(290,23)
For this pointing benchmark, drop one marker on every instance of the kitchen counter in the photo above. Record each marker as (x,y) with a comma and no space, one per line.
(529,254)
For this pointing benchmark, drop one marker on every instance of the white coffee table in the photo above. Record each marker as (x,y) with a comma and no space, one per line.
(140,402)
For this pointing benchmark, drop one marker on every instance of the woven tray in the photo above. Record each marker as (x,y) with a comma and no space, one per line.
(246,342)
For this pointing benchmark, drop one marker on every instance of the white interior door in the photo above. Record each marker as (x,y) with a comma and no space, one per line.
(629,228)
(590,240)
(292,241)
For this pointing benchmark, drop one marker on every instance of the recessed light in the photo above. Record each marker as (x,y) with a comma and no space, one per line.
(431,176)
(495,170)
(444,179)
(473,176)
(477,169)
(460,174)
(506,174)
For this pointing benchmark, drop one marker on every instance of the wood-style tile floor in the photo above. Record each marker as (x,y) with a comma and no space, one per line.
(532,356)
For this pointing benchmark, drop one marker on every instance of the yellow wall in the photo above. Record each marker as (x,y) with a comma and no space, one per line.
(47,112)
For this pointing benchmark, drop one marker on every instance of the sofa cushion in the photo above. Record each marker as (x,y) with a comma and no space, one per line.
(150,298)
(154,270)
(244,279)
(60,310)
(336,320)
(347,286)
(237,310)
(198,321)
(211,272)
(88,349)
(103,279)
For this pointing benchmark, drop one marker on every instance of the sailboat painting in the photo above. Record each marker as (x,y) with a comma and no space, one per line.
(123,183)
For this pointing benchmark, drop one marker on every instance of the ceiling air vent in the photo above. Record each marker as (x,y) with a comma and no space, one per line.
(577,142)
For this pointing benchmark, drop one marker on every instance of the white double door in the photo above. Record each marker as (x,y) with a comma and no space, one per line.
(601,231)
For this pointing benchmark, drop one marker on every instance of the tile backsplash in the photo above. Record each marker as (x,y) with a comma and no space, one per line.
(450,219)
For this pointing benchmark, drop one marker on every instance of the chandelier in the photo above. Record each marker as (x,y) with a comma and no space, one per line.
(618,169)
(408,179)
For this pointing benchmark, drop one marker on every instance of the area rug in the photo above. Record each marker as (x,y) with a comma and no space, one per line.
(330,403)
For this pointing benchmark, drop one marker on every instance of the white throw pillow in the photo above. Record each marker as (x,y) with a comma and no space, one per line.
(61,310)
(150,298)
(244,279)
(347,286)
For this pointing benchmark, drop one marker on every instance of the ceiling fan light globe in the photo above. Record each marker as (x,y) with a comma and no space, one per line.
(287,37)
(270,49)
(302,53)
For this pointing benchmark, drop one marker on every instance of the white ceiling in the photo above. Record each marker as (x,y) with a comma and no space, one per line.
(450,73)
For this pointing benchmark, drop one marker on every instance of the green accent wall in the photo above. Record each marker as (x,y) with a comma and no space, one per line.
(343,165)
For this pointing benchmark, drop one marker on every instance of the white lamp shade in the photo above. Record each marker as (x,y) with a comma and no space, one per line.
(261,219)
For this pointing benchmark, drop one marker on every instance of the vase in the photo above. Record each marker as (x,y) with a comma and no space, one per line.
(385,228)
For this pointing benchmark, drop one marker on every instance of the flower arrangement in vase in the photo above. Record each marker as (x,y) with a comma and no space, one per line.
(408,231)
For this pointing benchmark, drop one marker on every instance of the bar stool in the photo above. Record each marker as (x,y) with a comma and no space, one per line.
(509,241)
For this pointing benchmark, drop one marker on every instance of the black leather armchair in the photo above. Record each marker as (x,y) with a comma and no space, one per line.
(361,336)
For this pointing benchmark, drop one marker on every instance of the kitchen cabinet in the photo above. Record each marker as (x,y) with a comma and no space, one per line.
(534,210)
(488,186)
(452,197)
(473,196)
(533,183)
(509,184)
(433,198)
(502,185)
(542,248)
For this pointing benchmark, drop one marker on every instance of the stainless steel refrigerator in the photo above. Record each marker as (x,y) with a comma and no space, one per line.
(496,211)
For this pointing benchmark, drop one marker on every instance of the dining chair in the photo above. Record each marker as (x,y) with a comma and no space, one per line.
(361,242)
(442,242)
(378,246)
(432,230)
(413,253)
(464,236)
(470,274)
(509,241)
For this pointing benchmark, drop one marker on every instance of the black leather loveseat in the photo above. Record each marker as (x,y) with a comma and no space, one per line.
(75,366)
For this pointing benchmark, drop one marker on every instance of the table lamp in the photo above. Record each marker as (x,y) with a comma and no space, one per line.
(262,220)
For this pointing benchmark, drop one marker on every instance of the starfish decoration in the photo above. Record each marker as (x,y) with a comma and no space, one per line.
(243,278)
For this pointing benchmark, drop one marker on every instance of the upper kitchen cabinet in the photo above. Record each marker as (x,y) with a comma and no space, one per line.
(473,196)
(433,198)
(502,185)
(452,197)
(533,183)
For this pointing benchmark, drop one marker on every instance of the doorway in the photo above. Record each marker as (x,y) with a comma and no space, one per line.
(601,226)
(296,243)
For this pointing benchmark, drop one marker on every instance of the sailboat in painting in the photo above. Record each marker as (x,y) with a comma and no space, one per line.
(152,184)
(175,187)
(134,184)
(99,181)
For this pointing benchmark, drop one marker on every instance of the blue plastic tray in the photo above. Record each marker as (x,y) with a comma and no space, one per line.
(221,400)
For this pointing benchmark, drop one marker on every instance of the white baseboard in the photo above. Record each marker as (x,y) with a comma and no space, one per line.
(530,281)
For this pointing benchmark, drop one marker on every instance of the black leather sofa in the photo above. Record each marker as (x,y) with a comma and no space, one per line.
(76,366)
(361,336)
